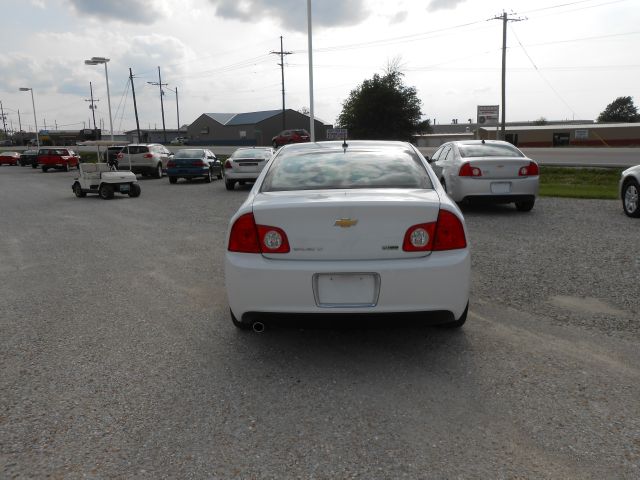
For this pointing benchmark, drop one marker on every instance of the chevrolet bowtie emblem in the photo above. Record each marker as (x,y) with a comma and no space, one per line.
(345,223)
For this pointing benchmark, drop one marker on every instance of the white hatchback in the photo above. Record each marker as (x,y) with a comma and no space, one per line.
(335,229)
(487,170)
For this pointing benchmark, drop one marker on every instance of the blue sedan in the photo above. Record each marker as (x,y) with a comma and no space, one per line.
(194,163)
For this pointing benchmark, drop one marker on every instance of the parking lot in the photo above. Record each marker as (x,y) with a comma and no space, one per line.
(119,359)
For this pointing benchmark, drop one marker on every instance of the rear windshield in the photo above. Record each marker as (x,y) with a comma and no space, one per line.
(136,149)
(250,154)
(352,169)
(489,150)
(189,154)
(300,132)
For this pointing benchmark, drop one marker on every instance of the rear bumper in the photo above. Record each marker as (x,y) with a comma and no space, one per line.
(251,176)
(439,282)
(187,173)
(502,190)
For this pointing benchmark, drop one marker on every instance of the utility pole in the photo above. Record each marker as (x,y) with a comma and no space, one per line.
(4,120)
(92,107)
(177,110)
(135,106)
(160,85)
(282,53)
(505,18)
(19,121)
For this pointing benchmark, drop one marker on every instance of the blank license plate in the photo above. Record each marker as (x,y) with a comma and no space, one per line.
(124,188)
(346,289)
(501,187)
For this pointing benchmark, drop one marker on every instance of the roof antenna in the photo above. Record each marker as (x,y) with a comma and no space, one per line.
(483,141)
(344,143)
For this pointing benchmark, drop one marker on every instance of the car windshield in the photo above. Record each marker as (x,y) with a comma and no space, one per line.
(300,132)
(389,168)
(189,153)
(250,153)
(489,150)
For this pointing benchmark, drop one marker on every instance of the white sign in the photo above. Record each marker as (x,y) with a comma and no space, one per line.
(336,133)
(582,134)
(488,114)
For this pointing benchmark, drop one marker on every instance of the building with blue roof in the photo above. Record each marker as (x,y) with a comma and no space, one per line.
(249,128)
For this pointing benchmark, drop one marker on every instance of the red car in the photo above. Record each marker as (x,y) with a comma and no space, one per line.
(60,158)
(10,158)
(297,135)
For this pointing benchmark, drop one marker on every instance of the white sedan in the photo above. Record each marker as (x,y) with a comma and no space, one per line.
(487,170)
(630,191)
(334,229)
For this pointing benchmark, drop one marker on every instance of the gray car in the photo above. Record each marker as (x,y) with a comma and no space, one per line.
(630,191)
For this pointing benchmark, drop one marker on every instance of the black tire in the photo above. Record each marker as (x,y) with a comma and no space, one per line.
(173,179)
(219,176)
(44,169)
(66,167)
(631,198)
(105,191)
(238,324)
(158,172)
(34,165)
(229,184)
(77,189)
(209,177)
(134,190)
(459,322)
(525,205)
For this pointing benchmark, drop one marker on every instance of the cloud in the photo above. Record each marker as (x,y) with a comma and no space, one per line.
(129,11)
(399,17)
(292,14)
(435,5)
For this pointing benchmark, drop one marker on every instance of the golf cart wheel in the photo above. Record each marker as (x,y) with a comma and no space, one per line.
(77,189)
(229,184)
(173,179)
(158,172)
(105,191)
(134,190)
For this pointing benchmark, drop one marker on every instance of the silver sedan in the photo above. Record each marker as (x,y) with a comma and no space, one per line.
(630,191)
(487,170)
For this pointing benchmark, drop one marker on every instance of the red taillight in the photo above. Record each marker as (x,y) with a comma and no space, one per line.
(198,163)
(148,155)
(449,232)
(529,170)
(171,164)
(445,234)
(419,238)
(120,155)
(247,237)
(468,170)
(227,164)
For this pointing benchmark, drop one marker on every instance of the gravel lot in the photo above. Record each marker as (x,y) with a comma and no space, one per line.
(119,360)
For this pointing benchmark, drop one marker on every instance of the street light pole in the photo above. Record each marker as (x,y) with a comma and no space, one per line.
(33,104)
(312,131)
(98,61)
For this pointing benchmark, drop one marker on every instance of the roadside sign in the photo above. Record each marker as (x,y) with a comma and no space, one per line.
(488,114)
(582,134)
(336,133)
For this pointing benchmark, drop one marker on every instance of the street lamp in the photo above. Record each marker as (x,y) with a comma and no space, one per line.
(98,61)
(33,104)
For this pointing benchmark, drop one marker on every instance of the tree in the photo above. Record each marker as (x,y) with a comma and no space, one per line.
(621,109)
(539,122)
(383,108)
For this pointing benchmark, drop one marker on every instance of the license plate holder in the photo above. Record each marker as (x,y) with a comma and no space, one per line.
(333,290)
(124,188)
(500,187)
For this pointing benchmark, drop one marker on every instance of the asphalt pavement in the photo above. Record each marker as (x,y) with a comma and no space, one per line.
(119,359)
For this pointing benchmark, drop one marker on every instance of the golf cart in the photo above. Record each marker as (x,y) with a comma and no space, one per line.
(100,178)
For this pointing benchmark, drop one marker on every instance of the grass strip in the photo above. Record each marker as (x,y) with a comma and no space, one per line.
(576,182)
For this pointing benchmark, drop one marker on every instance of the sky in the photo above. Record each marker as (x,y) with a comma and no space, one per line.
(566,59)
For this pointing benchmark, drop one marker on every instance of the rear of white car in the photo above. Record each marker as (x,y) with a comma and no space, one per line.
(245,165)
(491,171)
(384,242)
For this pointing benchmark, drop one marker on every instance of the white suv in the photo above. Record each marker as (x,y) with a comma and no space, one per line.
(144,158)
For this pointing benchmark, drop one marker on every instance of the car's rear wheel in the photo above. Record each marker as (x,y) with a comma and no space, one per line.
(34,165)
(630,198)
(158,172)
(219,176)
(229,184)
(77,189)
(525,205)
(105,191)
(238,324)
(66,167)
(209,177)
(460,321)
(44,169)
(134,190)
